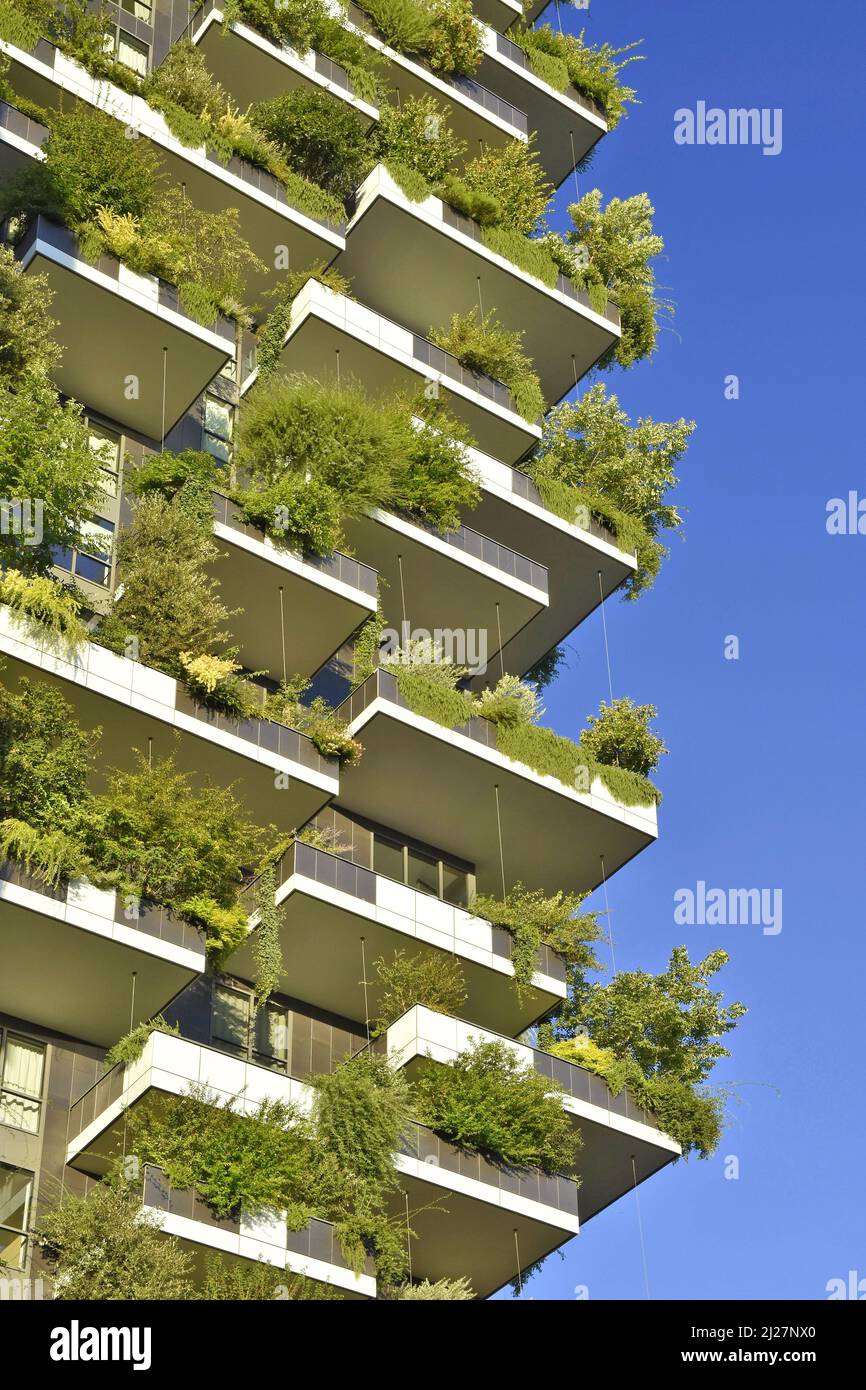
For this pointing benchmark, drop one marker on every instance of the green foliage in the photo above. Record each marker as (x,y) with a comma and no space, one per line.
(482,344)
(170,603)
(367,646)
(267,950)
(317,452)
(316,719)
(592,457)
(488,1101)
(82,33)
(153,834)
(530,256)
(45,757)
(416,136)
(546,669)
(534,920)
(306,24)
(560,59)
(103,1247)
(428,683)
(52,856)
(512,174)
(321,137)
(432,979)
(442,31)
(44,603)
(247,1281)
(442,1289)
(45,457)
(620,735)
(361,1113)
(129,1048)
(225,927)
(193,471)
(618,245)
(28,348)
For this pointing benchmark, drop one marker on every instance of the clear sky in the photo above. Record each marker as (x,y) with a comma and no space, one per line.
(765,780)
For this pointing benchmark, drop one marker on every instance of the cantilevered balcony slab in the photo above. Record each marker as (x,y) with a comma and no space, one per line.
(130,352)
(567,124)
(584,563)
(499,14)
(466,1213)
(265,218)
(613,1129)
(329,907)
(442,786)
(139,708)
(478,115)
(334,338)
(460,583)
(69,954)
(421,262)
(252,69)
(170,1066)
(323,600)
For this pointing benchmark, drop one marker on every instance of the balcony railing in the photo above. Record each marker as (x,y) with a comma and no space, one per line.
(360,882)
(317,1241)
(24,127)
(449,365)
(62,240)
(522,486)
(262,733)
(576,1081)
(140,914)
(339,566)
(500,557)
(429,1148)
(516,55)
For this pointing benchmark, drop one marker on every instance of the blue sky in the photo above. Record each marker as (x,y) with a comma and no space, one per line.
(764,783)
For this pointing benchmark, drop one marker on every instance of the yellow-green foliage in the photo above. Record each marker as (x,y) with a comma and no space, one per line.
(44,602)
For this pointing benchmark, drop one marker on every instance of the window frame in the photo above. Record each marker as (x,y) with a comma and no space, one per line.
(39,1101)
(24,1232)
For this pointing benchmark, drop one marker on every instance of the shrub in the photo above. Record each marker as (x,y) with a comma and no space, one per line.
(225,928)
(153,835)
(434,980)
(267,949)
(482,344)
(452,1289)
(129,1048)
(322,138)
(534,920)
(488,1101)
(47,468)
(317,720)
(560,59)
(28,348)
(512,174)
(245,1281)
(45,757)
(529,255)
(510,701)
(454,41)
(416,136)
(52,856)
(306,24)
(428,682)
(619,244)
(591,456)
(170,603)
(103,1247)
(620,734)
(404,24)
(44,603)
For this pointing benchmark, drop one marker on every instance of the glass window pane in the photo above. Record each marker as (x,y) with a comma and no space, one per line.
(231,1012)
(132,53)
(217,448)
(13,1249)
(388,858)
(455,886)
(423,873)
(19,1113)
(272,1035)
(23,1066)
(218,418)
(15,1185)
(94,570)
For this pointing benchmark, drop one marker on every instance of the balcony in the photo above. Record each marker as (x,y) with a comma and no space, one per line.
(567,124)
(93,938)
(331,906)
(614,1129)
(251,68)
(138,707)
(149,360)
(499,14)
(433,781)
(479,1205)
(479,116)
(331,337)
(265,218)
(21,140)
(421,262)
(169,1066)
(583,564)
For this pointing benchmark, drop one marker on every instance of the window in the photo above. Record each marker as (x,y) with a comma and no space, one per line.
(93,560)
(22,1067)
(218,428)
(423,873)
(140,9)
(262,1035)
(132,53)
(16,1190)
(105,448)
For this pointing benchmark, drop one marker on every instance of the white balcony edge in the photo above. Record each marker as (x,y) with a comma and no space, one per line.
(269,552)
(532,79)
